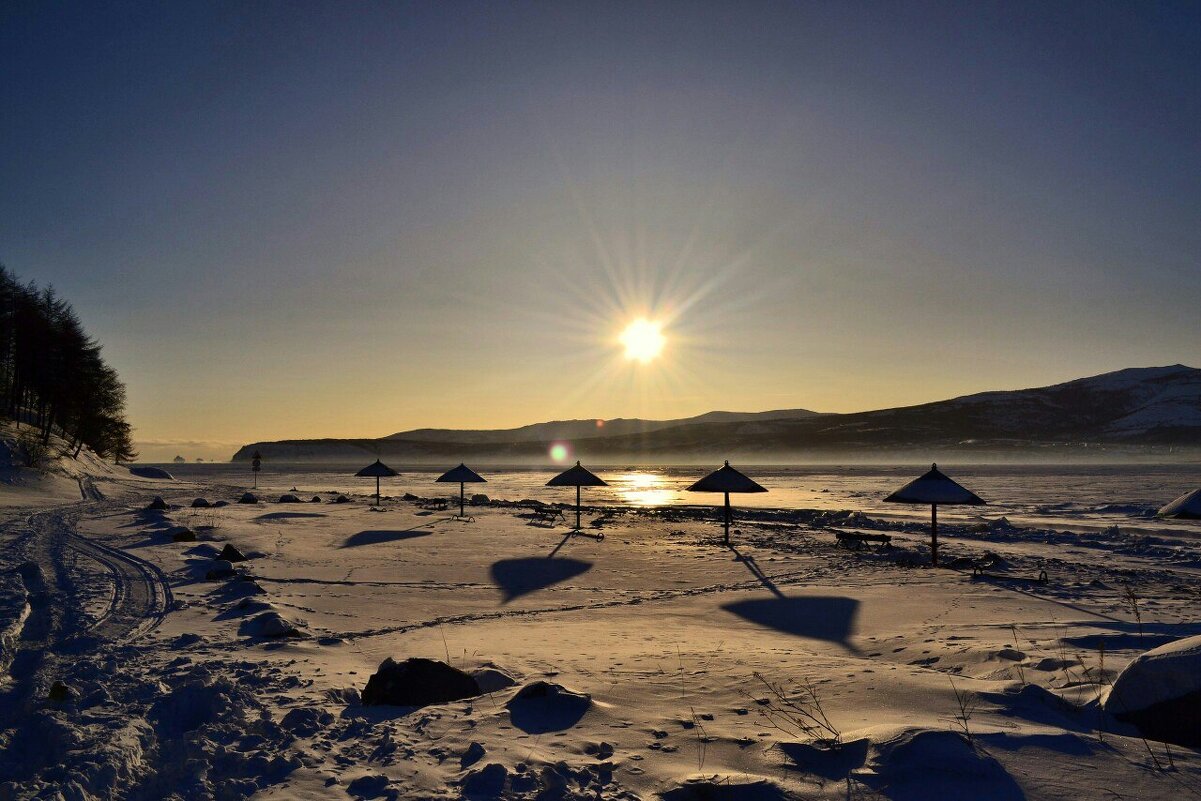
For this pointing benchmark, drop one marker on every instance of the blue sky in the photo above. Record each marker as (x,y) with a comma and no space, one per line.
(351,219)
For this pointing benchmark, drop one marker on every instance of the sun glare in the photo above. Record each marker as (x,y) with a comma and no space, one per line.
(643,340)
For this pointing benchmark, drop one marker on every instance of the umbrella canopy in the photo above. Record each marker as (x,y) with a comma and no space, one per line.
(377,471)
(1187,507)
(578,476)
(726,480)
(935,488)
(461,475)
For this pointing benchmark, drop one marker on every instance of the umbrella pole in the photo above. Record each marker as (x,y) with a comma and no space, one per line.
(727,518)
(934,534)
(577,507)
(377,490)
(461,500)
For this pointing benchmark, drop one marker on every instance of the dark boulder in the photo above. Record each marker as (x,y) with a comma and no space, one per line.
(289,498)
(248,497)
(183,534)
(200,503)
(231,554)
(341,499)
(418,682)
(157,503)
(315,499)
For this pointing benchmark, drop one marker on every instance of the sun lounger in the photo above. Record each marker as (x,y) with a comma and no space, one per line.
(856,541)
(547,515)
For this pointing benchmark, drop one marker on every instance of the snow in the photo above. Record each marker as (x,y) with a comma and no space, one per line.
(1161,675)
(634,668)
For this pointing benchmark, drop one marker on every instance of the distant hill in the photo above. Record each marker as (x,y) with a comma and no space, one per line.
(587,429)
(1128,409)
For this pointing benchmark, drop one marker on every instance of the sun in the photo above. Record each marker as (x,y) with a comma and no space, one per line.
(643,340)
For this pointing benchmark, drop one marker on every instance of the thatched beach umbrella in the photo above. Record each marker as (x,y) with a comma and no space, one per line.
(577,477)
(461,475)
(1186,507)
(935,489)
(376,471)
(726,480)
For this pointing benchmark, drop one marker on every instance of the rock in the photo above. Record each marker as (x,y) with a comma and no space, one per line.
(151,472)
(315,499)
(341,499)
(1160,693)
(200,503)
(288,498)
(61,693)
(474,753)
(479,499)
(184,640)
(487,782)
(417,682)
(219,571)
(248,497)
(231,554)
(371,787)
(157,503)
(182,534)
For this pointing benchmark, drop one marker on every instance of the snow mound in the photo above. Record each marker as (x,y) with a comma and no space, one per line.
(543,706)
(493,679)
(912,764)
(1187,506)
(1160,692)
(725,788)
(151,472)
(271,625)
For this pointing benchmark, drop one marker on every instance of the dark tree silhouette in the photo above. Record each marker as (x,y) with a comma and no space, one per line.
(52,376)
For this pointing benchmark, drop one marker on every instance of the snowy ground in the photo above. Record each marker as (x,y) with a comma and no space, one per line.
(936,684)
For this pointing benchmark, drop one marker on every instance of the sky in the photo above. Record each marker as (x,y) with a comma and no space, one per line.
(290,220)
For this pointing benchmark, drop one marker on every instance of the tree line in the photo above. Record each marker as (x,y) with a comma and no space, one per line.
(52,376)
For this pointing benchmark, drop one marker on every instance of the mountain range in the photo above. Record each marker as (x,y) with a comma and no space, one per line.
(1137,409)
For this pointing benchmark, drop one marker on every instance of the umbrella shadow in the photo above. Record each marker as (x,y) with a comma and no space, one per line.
(749,562)
(377,536)
(517,577)
(816,617)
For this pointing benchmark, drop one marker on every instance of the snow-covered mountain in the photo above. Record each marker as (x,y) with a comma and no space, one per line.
(1151,406)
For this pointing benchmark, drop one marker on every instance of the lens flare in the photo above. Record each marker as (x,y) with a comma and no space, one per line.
(559,452)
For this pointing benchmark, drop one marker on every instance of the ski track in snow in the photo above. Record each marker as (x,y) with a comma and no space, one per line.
(138,597)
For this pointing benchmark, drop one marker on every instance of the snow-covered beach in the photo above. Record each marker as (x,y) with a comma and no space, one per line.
(688,669)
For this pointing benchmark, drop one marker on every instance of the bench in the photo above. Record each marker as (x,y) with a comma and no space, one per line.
(855,541)
(980,572)
(546,514)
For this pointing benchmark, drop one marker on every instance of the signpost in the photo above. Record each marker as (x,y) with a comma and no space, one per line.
(256,464)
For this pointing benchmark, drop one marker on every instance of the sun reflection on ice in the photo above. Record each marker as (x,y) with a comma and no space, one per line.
(643,489)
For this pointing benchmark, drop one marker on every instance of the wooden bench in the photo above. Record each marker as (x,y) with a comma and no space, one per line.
(855,541)
(547,515)
(980,572)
